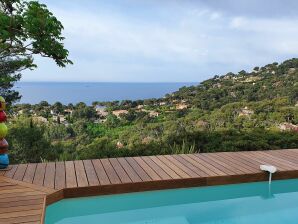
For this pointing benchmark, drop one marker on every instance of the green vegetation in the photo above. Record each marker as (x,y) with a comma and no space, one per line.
(27,28)
(255,110)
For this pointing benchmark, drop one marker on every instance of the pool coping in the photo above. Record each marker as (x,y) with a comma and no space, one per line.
(286,160)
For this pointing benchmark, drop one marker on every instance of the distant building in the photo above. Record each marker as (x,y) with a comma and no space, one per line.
(60,118)
(101,111)
(68,111)
(217,85)
(52,112)
(292,70)
(245,112)
(117,113)
(153,114)
(288,127)
(140,107)
(40,119)
(181,106)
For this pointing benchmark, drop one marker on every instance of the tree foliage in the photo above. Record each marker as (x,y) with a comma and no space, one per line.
(27,28)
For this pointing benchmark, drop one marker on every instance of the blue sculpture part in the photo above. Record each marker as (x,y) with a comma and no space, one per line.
(4,161)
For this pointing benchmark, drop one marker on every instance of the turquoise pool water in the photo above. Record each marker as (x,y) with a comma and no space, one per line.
(253,203)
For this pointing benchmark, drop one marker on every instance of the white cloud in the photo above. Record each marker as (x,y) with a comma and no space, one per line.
(189,44)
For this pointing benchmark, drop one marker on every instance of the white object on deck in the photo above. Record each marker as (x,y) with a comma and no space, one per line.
(270,169)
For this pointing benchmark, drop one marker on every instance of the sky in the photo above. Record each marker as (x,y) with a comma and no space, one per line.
(169,40)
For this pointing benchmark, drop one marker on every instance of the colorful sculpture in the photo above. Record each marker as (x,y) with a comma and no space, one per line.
(4,160)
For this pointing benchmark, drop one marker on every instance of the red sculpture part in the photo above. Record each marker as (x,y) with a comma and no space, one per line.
(3,116)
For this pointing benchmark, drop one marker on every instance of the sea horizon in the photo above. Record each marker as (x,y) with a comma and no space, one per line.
(88,92)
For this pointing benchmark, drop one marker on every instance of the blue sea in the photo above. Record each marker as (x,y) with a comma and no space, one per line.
(74,92)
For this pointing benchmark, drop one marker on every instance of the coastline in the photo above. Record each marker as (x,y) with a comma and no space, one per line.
(88,92)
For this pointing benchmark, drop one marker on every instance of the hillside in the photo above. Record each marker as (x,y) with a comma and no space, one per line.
(265,83)
(245,111)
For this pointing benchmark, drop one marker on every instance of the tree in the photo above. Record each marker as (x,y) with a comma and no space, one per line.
(27,142)
(9,74)
(27,28)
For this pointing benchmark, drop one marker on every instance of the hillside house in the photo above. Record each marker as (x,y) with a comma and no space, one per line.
(288,127)
(68,111)
(181,106)
(101,111)
(117,113)
(60,118)
(291,71)
(40,119)
(153,114)
(245,112)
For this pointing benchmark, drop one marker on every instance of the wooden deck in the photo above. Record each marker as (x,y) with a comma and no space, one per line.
(26,188)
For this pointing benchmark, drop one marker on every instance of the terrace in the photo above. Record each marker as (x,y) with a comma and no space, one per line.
(26,189)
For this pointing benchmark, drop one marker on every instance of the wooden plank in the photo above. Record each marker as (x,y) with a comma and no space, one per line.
(166,169)
(253,162)
(225,165)
(208,164)
(20,208)
(4,183)
(266,160)
(71,180)
(129,170)
(113,177)
(101,173)
(156,168)
(14,190)
(22,197)
(49,179)
(195,161)
(81,174)
(173,167)
(147,169)
(21,203)
(286,155)
(138,169)
(20,172)
(288,164)
(220,164)
(60,177)
(12,171)
(10,187)
(189,165)
(181,166)
(240,160)
(30,172)
(21,214)
(21,219)
(90,172)
(198,167)
(19,194)
(235,161)
(39,174)
(29,185)
(120,171)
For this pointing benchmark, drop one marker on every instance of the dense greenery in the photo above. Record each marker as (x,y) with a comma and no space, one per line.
(255,110)
(27,28)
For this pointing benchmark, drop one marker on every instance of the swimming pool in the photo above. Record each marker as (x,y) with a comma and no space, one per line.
(227,204)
